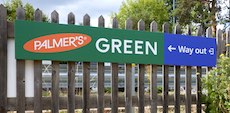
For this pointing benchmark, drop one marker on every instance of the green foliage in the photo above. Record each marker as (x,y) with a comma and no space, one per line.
(148,10)
(11,9)
(159,89)
(202,12)
(217,87)
(29,10)
(45,18)
(169,5)
(108,90)
(192,11)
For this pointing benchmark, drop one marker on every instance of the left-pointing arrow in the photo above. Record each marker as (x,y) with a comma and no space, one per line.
(170,48)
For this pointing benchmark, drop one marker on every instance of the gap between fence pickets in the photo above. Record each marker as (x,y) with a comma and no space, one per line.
(11,72)
(11,69)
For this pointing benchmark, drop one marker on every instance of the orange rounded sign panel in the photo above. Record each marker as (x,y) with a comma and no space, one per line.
(57,43)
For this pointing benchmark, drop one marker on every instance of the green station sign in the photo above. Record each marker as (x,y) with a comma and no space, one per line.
(50,41)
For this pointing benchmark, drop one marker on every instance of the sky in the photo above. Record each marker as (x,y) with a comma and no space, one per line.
(94,8)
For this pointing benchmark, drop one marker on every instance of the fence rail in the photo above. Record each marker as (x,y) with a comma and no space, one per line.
(46,102)
(20,102)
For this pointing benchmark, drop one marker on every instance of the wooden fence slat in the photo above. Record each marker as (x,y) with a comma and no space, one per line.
(153,79)
(228,42)
(3,59)
(128,77)
(71,75)
(100,77)
(55,87)
(38,74)
(208,34)
(100,87)
(71,18)
(101,21)
(55,74)
(153,89)
(86,20)
(54,17)
(86,75)
(114,97)
(128,88)
(188,74)
(20,12)
(10,29)
(71,87)
(177,89)
(114,79)
(38,86)
(177,79)
(86,87)
(141,77)
(219,42)
(20,86)
(165,70)
(141,91)
(198,79)
(198,87)
(223,43)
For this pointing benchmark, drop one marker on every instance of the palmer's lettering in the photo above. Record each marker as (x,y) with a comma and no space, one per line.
(56,43)
(104,45)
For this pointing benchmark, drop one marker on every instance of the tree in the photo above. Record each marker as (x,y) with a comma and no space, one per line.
(29,10)
(224,15)
(148,10)
(11,8)
(191,11)
(202,12)
(169,5)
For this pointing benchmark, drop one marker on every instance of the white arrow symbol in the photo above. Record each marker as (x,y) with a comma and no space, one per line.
(170,48)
